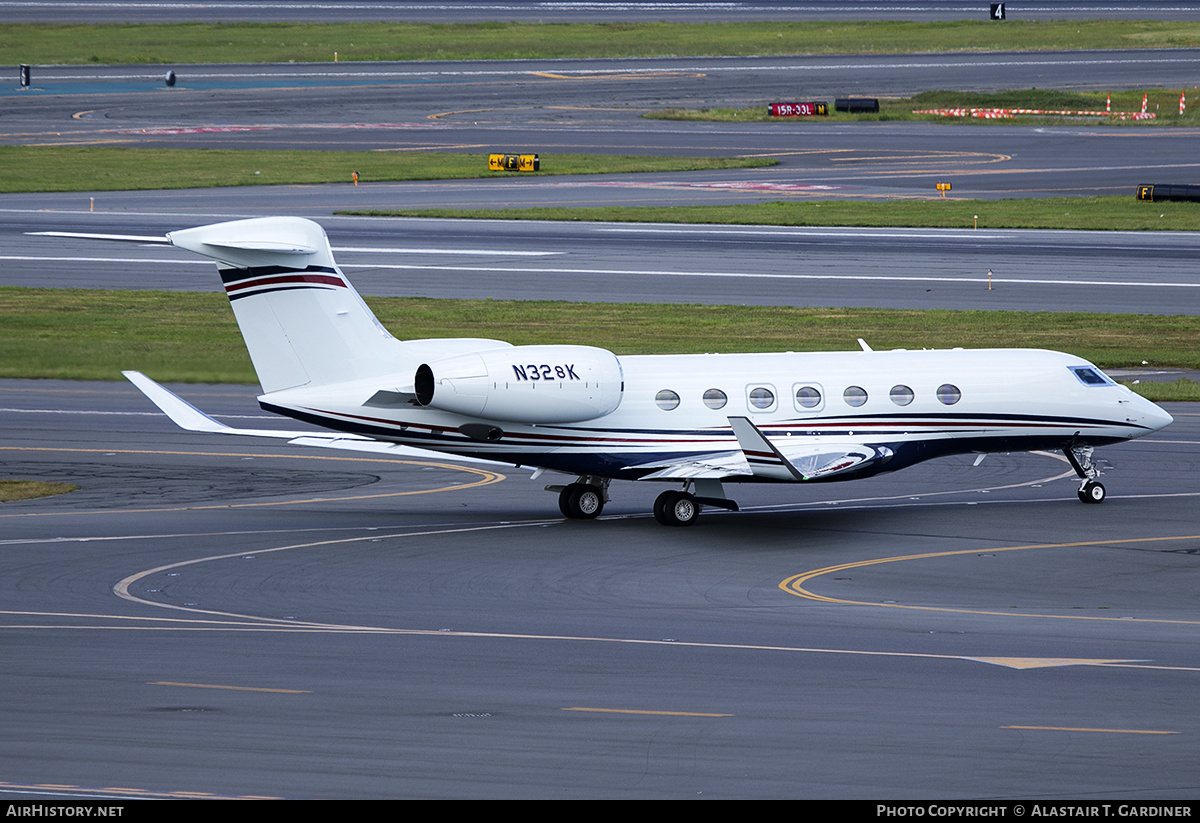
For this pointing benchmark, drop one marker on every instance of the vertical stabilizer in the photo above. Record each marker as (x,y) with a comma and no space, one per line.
(304,324)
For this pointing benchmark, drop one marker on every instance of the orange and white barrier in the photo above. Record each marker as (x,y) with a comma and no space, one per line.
(995,114)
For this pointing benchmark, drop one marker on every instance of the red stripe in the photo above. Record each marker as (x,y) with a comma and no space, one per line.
(274,280)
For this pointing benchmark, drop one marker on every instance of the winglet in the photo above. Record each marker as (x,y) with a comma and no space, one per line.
(764,459)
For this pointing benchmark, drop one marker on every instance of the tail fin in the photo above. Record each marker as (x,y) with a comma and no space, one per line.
(303,323)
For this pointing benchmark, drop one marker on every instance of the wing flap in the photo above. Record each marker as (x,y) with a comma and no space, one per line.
(699,467)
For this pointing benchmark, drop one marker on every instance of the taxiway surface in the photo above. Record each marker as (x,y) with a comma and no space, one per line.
(236,619)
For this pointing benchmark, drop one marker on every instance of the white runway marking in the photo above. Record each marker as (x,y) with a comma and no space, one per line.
(741,275)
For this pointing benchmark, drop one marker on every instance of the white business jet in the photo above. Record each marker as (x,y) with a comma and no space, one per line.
(696,422)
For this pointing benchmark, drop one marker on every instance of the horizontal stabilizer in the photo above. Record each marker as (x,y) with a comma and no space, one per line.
(160,240)
(190,418)
(356,444)
(186,416)
(258,242)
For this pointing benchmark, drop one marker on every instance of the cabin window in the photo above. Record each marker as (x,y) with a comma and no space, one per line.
(855,396)
(666,400)
(1089,376)
(901,395)
(761,398)
(948,394)
(715,399)
(808,397)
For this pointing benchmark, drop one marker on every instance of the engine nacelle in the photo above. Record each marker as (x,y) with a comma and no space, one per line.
(524,384)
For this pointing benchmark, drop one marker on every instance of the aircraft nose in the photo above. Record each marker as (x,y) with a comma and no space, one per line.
(1160,419)
(1153,417)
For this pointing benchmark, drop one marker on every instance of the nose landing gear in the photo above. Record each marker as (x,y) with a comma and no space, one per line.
(1091,490)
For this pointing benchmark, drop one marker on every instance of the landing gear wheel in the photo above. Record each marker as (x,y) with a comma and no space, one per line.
(673,508)
(580,501)
(1092,492)
(660,507)
(564,500)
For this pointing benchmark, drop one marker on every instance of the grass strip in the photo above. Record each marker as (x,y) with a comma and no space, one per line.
(191,337)
(98,168)
(175,43)
(1076,213)
(11,490)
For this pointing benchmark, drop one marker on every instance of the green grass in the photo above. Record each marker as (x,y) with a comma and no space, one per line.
(93,168)
(190,337)
(1182,390)
(1162,101)
(11,490)
(1084,213)
(39,43)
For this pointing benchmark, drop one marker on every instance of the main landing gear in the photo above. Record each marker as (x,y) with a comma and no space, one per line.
(584,499)
(681,508)
(676,508)
(1091,490)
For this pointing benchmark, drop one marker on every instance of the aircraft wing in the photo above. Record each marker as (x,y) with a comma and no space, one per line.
(713,466)
(789,459)
(801,458)
(190,418)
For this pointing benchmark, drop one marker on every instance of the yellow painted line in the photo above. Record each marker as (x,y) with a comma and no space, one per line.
(644,711)
(229,688)
(615,76)
(487,478)
(795,584)
(123,791)
(1099,731)
(1047,662)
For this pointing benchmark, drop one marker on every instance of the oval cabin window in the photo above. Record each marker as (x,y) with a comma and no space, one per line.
(855,396)
(807,397)
(666,400)
(762,398)
(901,395)
(948,394)
(715,399)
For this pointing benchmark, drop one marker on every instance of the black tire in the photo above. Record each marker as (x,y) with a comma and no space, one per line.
(580,501)
(660,507)
(674,508)
(1092,492)
(564,500)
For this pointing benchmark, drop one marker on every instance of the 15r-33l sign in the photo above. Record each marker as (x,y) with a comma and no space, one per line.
(798,109)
